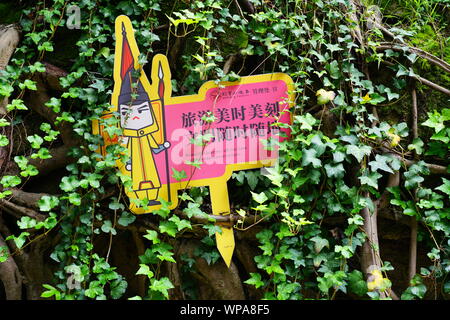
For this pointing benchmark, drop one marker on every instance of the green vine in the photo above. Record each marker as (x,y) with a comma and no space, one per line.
(343,149)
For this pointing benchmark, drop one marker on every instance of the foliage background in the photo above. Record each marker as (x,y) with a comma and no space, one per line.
(358,207)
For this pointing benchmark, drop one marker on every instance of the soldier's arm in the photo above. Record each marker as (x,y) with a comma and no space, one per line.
(153,142)
(155,147)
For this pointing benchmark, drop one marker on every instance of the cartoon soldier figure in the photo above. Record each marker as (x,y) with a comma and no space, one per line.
(142,122)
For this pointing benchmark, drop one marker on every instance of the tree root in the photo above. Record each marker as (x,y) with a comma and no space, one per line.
(10,276)
(215,281)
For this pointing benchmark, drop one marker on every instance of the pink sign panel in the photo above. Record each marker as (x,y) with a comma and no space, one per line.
(245,118)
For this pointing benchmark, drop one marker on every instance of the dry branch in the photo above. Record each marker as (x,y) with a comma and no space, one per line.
(37,99)
(27,199)
(424,81)
(59,159)
(431,84)
(19,211)
(434,168)
(419,52)
(229,63)
(370,255)
(247,6)
(9,39)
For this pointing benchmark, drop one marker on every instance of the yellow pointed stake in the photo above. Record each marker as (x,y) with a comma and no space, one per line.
(221,206)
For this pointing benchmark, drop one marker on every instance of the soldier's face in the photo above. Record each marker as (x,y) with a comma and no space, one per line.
(135,117)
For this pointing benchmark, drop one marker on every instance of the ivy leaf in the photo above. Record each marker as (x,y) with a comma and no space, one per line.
(164,211)
(126,218)
(20,240)
(443,135)
(75,198)
(108,228)
(445,188)
(324,96)
(320,243)
(333,69)
(267,248)
(10,181)
(45,46)
(239,176)
(264,236)
(164,252)
(356,283)
(180,223)
(338,156)
(380,163)
(336,171)
(94,180)
(50,292)
(4,254)
(193,210)
(401,129)
(3,140)
(318,145)
(414,175)
(42,153)
(195,164)
(212,229)
(28,84)
(391,95)
(417,145)
(152,235)
(370,179)
(274,268)
(358,151)
(345,251)
(4,123)
(274,176)
(356,220)
(116,205)
(259,197)
(118,288)
(26,223)
(69,183)
(309,157)
(435,121)
(252,179)
(166,256)
(185,197)
(37,67)
(306,122)
(255,279)
(162,285)
(376,98)
(144,270)
(168,227)
(16,104)
(54,104)
(47,203)
(179,175)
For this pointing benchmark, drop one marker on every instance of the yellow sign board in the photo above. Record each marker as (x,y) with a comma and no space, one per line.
(160,130)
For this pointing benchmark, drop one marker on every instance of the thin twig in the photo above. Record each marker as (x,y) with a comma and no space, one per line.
(413,241)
